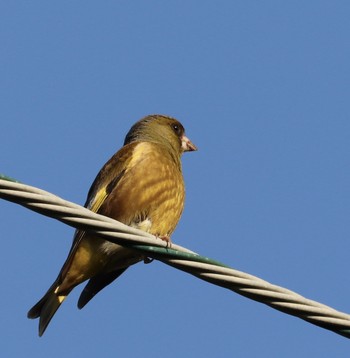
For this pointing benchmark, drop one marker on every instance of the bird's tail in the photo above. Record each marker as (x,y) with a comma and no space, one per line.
(47,307)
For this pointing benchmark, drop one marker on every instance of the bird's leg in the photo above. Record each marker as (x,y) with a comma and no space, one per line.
(166,239)
(148,260)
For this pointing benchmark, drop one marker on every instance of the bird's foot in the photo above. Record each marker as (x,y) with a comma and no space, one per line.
(147,260)
(166,239)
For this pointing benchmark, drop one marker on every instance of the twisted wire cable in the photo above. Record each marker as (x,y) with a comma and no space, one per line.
(176,256)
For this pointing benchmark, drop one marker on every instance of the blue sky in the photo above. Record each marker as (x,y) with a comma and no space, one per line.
(262,88)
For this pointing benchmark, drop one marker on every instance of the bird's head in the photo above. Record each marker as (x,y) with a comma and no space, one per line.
(163,130)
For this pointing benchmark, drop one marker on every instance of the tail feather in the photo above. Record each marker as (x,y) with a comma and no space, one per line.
(46,308)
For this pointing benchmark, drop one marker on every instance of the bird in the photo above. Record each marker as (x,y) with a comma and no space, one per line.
(142,186)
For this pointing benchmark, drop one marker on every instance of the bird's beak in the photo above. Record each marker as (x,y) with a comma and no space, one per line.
(187,145)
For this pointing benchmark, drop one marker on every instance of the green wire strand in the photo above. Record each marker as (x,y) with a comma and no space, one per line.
(165,252)
(5,177)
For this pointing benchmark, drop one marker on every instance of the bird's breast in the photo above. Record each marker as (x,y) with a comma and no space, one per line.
(151,193)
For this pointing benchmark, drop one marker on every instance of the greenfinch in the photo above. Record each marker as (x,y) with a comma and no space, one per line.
(141,186)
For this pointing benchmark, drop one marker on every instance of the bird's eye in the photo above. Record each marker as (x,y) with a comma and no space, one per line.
(177,129)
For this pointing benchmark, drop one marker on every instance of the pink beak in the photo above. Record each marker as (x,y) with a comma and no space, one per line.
(187,145)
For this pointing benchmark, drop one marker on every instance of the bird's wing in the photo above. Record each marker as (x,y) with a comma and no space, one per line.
(108,177)
(106,180)
(96,284)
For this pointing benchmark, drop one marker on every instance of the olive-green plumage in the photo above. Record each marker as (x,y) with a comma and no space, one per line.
(141,186)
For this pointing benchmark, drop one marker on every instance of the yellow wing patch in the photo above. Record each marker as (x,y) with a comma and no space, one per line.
(98,200)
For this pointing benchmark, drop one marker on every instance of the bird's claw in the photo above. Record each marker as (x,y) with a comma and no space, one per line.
(166,239)
(147,260)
